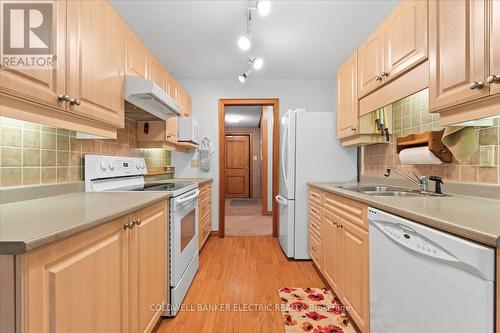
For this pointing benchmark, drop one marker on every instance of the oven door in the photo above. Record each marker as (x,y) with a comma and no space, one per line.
(183,233)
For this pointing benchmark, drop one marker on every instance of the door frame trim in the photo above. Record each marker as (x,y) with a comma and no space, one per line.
(250,168)
(274,102)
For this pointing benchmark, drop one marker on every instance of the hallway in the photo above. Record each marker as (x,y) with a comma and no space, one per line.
(244,218)
(239,271)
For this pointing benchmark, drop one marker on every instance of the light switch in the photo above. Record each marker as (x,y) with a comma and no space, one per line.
(194,163)
(487,156)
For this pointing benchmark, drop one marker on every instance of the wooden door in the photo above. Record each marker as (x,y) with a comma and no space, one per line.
(96,62)
(456,52)
(237,166)
(157,73)
(494,46)
(332,246)
(405,38)
(136,54)
(79,284)
(41,85)
(371,63)
(347,99)
(148,266)
(355,274)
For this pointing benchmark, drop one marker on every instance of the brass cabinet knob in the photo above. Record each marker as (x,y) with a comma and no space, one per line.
(378,78)
(476,85)
(353,129)
(493,79)
(138,221)
(129,225)
(63,98)
(384,74)
(75,101)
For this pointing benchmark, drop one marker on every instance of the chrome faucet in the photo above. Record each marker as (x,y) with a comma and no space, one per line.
(421,182)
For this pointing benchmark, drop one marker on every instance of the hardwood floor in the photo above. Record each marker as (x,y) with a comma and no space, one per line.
(239,271)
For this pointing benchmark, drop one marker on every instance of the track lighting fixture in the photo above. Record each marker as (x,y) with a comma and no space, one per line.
(263,7)
(244,43)
(257,63)
(242,77)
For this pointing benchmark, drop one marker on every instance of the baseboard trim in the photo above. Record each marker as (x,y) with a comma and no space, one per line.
(267,213)
(214,234)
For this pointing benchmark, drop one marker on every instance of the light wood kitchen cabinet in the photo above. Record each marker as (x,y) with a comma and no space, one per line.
(347,99)
(42,85)
(354,273)
(332,250)
(204,213)
(344,253)
(95,61)
(457,52)
(148,266)
(101,280)
(172,129)
(405,38)
(157,72)
(136,55)
(371,63)
(494,42)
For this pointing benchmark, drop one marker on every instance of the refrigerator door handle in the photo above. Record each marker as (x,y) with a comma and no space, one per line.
(285,135)
(282,201)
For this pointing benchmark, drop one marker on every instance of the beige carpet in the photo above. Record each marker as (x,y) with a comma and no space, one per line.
(247,221)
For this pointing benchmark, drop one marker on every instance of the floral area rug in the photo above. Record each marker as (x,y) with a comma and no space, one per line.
(315,310)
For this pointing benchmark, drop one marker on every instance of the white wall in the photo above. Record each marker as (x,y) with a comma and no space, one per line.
(311,94)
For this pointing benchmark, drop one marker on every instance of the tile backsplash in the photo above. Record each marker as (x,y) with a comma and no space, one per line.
(33,154)
(411,116)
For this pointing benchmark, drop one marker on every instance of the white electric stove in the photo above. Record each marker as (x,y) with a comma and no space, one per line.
(117,174)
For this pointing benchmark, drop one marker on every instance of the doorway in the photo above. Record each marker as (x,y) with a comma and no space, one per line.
(248,167)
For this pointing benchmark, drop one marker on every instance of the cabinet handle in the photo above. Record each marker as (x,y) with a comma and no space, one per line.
(63,98)
(138,221)
(75,101)
(476,85)
(353,129)
(493,79)
(384,74)
(129,225)
(378,78)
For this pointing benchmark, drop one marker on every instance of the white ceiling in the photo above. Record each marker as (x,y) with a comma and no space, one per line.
(249,115)
(299,39)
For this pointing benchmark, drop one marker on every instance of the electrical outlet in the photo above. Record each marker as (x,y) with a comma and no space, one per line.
(194,163)
(487,156)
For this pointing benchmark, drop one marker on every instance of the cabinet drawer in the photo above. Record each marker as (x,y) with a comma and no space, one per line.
(315,226)
(315,211)
(315,196)
(350,210)
(204,206)
(315,250)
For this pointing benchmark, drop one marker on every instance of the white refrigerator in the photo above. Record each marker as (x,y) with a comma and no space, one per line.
(309,152)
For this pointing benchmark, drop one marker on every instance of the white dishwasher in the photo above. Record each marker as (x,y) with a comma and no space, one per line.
(425,280)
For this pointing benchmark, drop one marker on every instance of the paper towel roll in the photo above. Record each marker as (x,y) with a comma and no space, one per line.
(419,155)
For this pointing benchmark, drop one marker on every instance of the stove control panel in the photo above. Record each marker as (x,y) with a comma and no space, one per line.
(102,167)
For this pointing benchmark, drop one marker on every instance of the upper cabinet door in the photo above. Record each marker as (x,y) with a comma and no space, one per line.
(371,63)
(456,52)
(41,85)
(405,38)
(494,74)
(347,99)
(156,72)
(136,55)
(96,49)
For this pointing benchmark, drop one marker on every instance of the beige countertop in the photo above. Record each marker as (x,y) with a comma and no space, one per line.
(474,218)
(27,225)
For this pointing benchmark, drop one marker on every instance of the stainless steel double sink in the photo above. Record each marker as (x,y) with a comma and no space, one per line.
(384,191)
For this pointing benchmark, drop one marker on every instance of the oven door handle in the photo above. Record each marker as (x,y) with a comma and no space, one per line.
(183,200)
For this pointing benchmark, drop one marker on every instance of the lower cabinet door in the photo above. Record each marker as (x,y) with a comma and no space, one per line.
(79,284)
(148,267)
(355,274)
(332,255)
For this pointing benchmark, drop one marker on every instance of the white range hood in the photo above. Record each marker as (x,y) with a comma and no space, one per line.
(145,95)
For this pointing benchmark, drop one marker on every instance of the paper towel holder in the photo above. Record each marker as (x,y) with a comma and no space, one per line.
(431,139)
